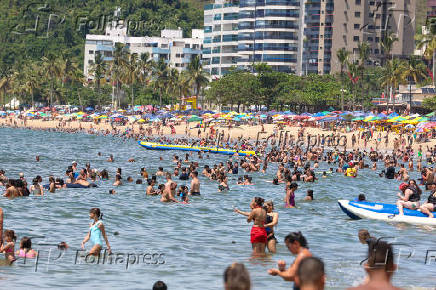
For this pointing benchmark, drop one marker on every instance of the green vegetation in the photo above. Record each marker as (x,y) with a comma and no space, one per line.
(33,29)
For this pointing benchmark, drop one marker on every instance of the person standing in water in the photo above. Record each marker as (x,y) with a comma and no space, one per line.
(290,195)
(272,220)
(258,234)
(297,245)
(96,233)
(195,183)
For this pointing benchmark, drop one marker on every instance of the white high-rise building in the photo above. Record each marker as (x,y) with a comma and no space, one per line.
(171,46)
(240,33)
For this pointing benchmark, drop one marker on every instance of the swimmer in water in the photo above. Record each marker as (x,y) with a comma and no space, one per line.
(290,195)
(195,183)
(309,195)
(96,233)
(110,159)
(8,246)
(26,250)
(150,190)
(258,216)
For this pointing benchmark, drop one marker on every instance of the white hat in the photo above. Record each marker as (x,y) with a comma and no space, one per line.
(73,162)
(21,174)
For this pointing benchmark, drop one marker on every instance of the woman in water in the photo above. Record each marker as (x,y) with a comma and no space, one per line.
(290,195)
(297,245)
(9,245)
(96,233)
(36,188)
(26,250)
(272,220)
(52,184)
(258,233)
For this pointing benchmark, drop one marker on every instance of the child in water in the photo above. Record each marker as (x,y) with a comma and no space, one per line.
(9,246)
(26,250)
(96,233)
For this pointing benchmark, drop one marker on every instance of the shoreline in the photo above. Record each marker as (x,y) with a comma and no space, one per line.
(248,132)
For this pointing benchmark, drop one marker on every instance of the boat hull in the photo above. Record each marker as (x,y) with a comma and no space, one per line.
(384,212)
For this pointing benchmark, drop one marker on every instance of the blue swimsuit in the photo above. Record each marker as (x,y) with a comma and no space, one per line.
(95,234)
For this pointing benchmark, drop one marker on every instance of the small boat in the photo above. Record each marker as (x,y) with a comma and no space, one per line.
(158,146)
(384,212)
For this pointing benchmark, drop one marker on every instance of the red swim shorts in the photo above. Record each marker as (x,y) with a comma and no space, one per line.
(258,235)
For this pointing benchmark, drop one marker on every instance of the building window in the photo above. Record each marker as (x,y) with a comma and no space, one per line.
(356,38)
(377,39)
(187,46)
(357,14)
(91,52)
(370,39)
(356,26)
(376,51)
(358,2)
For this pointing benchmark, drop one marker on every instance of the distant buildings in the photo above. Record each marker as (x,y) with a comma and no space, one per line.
(171,46)
(302,36)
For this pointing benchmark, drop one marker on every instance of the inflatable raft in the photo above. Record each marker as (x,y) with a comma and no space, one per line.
(158,146)
(384,212)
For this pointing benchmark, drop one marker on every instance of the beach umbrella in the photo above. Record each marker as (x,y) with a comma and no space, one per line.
(103,117)
(409,126)
(89,109)
(195,118)
(358,119)
(141,121)
(431,114)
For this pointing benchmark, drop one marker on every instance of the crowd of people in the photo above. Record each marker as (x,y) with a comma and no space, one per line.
(297,162)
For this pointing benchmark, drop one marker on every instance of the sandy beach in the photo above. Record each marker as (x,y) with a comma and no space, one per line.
(245,131)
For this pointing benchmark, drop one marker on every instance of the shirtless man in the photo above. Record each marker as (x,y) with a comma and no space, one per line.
(169,190)
(195,184)
(160,172)
(150,190)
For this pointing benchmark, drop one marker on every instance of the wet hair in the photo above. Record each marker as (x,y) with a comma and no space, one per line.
(160,168)
(10,234)
(259,201)
(362,197)
(195,173)
(153,177)
(380,255)
(111,191)
(293,185)
(104,174)
(310,193)
(297,236)
(25,243)
(159,285)
(364,236)
(34,181)
(138,181)
(275,181)
(236,277)
(97,212)
(310,271)
(51,179)
(62,246)
(270,203)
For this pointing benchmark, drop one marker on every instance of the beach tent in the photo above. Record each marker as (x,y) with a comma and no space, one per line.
(195,118)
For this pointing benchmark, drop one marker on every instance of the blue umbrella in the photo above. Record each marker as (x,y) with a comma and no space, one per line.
(89,109)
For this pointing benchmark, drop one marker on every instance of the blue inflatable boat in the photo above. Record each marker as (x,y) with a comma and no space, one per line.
(384,212)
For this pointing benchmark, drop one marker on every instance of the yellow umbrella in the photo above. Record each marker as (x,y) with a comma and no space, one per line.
(141,121)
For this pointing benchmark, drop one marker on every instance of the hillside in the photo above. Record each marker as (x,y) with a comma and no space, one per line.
(30,30)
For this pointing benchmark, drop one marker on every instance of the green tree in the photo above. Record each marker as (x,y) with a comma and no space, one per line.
(52,71)
(198,78)
(98,71)
(388,40)
(116,68)
(342,55)
(414,70)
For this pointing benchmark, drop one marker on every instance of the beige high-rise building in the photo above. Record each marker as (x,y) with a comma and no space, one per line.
(369,21)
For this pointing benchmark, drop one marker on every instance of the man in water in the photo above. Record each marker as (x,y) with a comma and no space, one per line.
(170,190)
(311,274)
(195,183)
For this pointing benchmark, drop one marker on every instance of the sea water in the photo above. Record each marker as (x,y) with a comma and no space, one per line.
(187,246)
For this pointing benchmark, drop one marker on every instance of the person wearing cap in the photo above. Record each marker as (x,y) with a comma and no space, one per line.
(351,170)
(74,166)
(409,197)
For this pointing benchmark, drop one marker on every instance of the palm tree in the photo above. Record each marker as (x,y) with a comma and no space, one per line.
(197,76)
(132,73)
(342,55)
(5,86)
(392,75)
(79,79)
(387,43)
(429,42)
(52,72)
(414,69)
(160,78)
(32,76)
(363,58)
(98,70)
(116,70)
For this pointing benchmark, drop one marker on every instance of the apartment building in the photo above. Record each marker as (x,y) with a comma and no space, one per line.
(370,21)
(171,46)
(240,33)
